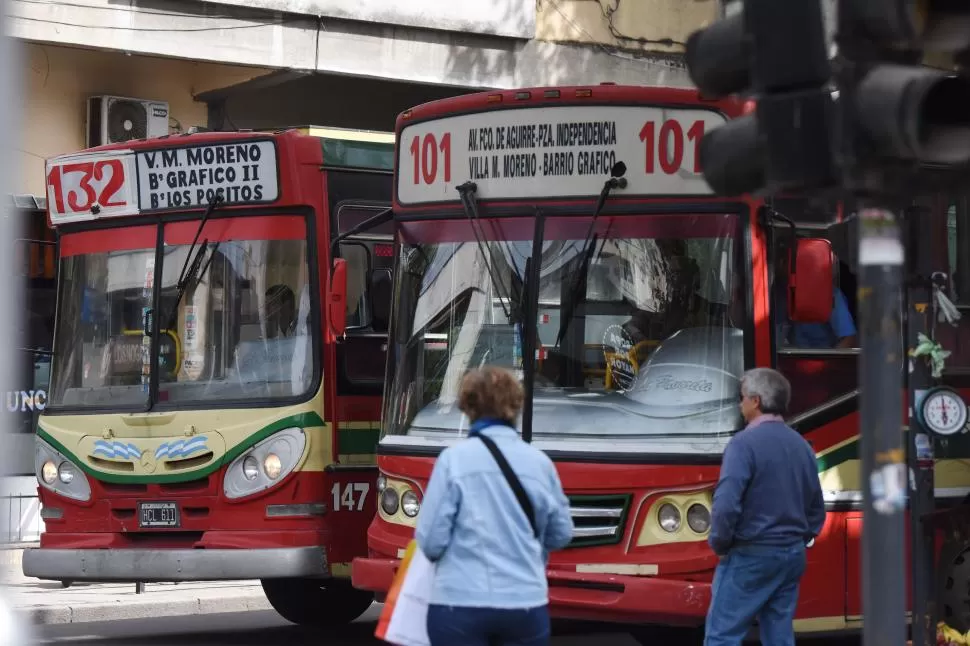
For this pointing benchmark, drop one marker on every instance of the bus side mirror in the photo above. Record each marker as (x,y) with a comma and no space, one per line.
(811,281)
(337,298)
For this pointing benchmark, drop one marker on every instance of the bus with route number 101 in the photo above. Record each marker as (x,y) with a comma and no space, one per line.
(567,233)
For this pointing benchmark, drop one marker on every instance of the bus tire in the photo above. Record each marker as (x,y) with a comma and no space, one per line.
(317,602)
(954,585)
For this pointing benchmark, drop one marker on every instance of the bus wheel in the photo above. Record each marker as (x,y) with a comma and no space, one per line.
(317,602)
(954,593)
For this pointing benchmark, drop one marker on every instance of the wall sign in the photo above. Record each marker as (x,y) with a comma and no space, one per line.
(89,186)
(548,152)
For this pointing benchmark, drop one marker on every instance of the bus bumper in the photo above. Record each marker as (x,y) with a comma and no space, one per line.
(153,565)
(593,597)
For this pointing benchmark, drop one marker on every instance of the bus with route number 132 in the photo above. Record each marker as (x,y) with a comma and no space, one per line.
(203,421)
(567,233)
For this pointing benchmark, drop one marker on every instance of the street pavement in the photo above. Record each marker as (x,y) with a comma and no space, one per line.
(266,628)
(228,614)
(48,602)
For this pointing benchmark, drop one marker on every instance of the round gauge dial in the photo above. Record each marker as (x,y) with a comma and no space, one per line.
(944,412)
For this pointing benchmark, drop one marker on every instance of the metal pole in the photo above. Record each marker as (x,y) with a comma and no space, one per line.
(883,455)
(11,288)
(919,304)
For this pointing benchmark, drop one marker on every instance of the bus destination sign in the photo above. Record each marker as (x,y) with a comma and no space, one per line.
(87,186)
(554,152)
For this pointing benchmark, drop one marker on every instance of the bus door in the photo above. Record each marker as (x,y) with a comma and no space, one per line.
(362,354)
(821,362)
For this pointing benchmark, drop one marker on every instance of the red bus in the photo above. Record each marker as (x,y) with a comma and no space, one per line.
(202,422)
(573,225)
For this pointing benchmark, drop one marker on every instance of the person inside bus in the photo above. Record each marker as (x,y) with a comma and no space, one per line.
(266,360)
(681,305)
(280,312)
(838,332)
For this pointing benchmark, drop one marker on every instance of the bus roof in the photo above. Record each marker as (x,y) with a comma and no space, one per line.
(185,172)
(555,143)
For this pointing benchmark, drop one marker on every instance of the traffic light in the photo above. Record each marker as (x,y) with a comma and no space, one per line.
(897,112)
(775,53)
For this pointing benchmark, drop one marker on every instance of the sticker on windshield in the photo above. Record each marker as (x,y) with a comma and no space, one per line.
(621,362)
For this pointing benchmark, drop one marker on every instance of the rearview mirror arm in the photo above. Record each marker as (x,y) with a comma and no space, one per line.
(772,214)
(366,225)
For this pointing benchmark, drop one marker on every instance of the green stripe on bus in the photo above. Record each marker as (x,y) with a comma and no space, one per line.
(842,454)
(357,441)
(302,420)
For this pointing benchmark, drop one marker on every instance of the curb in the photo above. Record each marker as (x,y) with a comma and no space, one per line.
(127,609)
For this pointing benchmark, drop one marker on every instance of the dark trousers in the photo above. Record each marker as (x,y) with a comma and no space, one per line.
(755,582)
(457,626)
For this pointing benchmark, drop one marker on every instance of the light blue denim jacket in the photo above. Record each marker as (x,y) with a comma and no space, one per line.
(472,525)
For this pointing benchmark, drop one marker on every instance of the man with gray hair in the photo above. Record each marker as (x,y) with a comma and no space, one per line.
(767,508)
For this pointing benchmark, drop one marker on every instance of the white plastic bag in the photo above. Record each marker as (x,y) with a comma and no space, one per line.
(405,617)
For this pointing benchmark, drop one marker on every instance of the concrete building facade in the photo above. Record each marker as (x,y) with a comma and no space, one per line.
(259,63)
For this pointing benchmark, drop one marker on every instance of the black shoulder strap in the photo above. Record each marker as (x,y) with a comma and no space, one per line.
(513,481)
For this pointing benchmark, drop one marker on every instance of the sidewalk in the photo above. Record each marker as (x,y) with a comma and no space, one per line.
(48,602)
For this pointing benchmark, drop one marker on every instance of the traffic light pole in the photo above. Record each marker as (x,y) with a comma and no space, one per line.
(884,472)
(9,288)
(892,119)
(919,307)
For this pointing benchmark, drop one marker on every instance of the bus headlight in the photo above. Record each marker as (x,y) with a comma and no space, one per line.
(250,468)
(66,472)
(698,518)
(272,465)
(669,517)
(389,501)
(409,504)
(48,472)
(381,483)
(278,455)
(57,473)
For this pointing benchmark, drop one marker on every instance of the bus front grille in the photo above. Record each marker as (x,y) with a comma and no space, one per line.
(598,520)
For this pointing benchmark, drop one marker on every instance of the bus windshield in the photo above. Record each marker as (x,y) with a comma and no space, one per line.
(640,341)
(240,331)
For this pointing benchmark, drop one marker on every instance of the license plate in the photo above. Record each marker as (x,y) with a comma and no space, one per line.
(158,514)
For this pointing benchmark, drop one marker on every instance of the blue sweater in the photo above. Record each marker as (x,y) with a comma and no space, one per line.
(769,492)
(472,525)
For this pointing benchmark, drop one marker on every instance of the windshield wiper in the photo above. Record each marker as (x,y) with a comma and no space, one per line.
(470,204)
(616,180)
(187,277)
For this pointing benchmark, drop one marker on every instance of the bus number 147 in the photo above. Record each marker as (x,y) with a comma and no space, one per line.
(349,497)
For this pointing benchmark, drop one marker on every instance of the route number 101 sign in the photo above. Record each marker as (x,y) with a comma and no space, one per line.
(550,152)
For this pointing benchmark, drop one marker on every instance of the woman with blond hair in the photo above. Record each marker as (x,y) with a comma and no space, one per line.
(493,510)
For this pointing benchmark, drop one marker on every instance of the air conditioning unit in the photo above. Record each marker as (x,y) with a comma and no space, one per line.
(115,119)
